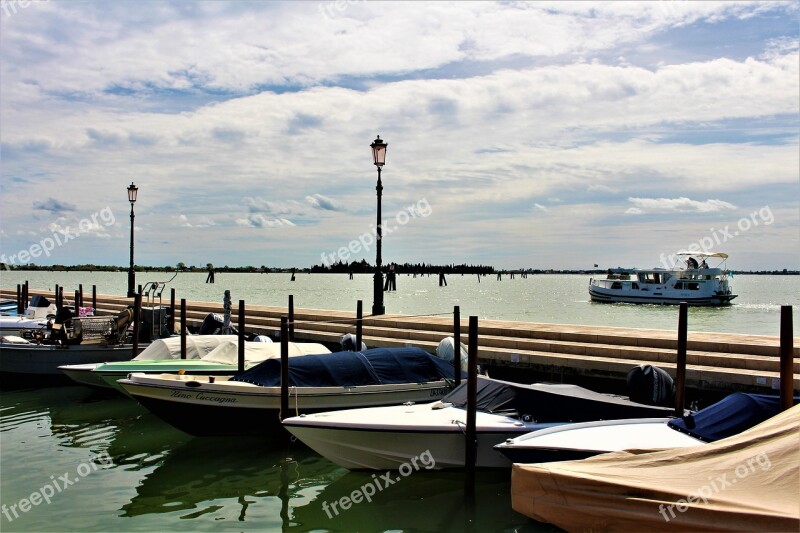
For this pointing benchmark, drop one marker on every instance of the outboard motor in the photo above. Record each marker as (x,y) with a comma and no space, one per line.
(650,385)
(213,324)
(348,342)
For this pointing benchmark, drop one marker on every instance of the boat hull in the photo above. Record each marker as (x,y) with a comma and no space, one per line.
(201,408)
(44,360)
(598,294)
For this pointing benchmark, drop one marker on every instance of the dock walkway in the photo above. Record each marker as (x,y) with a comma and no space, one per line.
(715,361)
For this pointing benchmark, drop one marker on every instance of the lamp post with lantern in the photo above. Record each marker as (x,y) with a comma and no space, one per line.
(132,191)
(379,158)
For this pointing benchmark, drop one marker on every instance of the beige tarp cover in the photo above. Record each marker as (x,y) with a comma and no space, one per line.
(170,348)
(748,482)
(254,352)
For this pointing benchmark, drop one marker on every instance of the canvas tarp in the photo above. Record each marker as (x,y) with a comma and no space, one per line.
(170,348)
(748,482)
(227,353)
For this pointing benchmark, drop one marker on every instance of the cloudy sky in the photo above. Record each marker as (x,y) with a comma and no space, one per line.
(520,134)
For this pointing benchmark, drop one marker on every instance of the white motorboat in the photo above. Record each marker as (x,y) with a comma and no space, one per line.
(730,416)
(36,316)
(168,349)
(249,402)
(386,438)
(696,284)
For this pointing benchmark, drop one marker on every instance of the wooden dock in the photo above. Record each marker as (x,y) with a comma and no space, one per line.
(715,361)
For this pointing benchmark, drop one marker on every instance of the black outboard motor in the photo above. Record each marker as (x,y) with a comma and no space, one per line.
(348,342)
(213,324)
(650,385)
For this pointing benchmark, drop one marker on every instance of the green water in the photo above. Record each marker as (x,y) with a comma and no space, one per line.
(152,477)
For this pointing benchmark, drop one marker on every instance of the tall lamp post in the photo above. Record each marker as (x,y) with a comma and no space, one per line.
(132,191)
(379,158)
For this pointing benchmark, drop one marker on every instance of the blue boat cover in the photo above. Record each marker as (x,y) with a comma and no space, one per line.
(378,366)
(730,416)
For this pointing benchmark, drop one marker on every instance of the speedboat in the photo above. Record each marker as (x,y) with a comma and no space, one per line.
(696,284)
(160,350)
(730,416)
(36,316)
(386,438)
(249,402)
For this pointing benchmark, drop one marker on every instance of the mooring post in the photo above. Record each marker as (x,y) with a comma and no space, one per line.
(291,317)
(55,296)
(359,324)
(20,310)
(284,367)
(77,302)
(457,342)
(787,358)
(241,336)
(60,303)
(680,369)
(137,308)
(183,328)
(471,449)
(25,294)
(80,291)
(94,299)
(172,309)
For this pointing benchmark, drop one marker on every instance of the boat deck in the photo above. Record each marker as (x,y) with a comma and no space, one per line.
(715,361)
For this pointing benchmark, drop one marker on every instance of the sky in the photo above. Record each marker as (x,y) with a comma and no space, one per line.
(557,135)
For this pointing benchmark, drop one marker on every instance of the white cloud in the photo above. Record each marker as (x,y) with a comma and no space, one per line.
(540,207)
(681,205)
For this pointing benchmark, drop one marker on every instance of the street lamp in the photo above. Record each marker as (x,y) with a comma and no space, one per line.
(132,191)
(379,158)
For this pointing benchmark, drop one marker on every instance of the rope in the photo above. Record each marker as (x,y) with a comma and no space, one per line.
(354,320)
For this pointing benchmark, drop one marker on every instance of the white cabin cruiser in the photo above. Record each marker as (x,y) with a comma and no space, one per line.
(691,282)
(39,311)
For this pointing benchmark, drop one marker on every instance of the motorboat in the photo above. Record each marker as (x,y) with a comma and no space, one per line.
(385,438)
(67,340)
(747,482)
(35,317)
(733,414)
(690,282)
(249,402)
(221,361)
(166,350)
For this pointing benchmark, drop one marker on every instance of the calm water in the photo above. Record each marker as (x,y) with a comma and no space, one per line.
(147,476)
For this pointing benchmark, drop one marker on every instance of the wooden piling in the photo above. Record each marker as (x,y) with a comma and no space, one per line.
(77,302)
(241,336)
(25,295)
(471,444)
(183,328)
(60,297)
(94,299)
(291,317)
(680,369)
(457,344)
(359,324)
(80,292)
(55,294)
(137,313)
(20,310)
(172,310)
(284,367)
(787,362)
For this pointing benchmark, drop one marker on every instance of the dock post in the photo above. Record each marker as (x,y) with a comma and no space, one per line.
(787,361)
(55,295)
(241,336)
(80,291)
(137,306)
(94,299)
(680,369)
(20,310)
(77,302)
(291,317)
(457,343)
(25,294)
(471,444)
(359,324)
(183,328)
(284,367)
(172,309)
(60,303)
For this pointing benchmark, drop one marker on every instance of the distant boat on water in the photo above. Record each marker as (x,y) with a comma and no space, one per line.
(696,284)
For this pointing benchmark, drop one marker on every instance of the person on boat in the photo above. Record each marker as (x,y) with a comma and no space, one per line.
(691,263)
(704,264)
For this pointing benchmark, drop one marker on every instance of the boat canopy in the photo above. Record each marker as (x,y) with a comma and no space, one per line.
(227,353)
(545,402)
(730,416)
(378,366)
(747,482)
(170,348)
(703,254)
